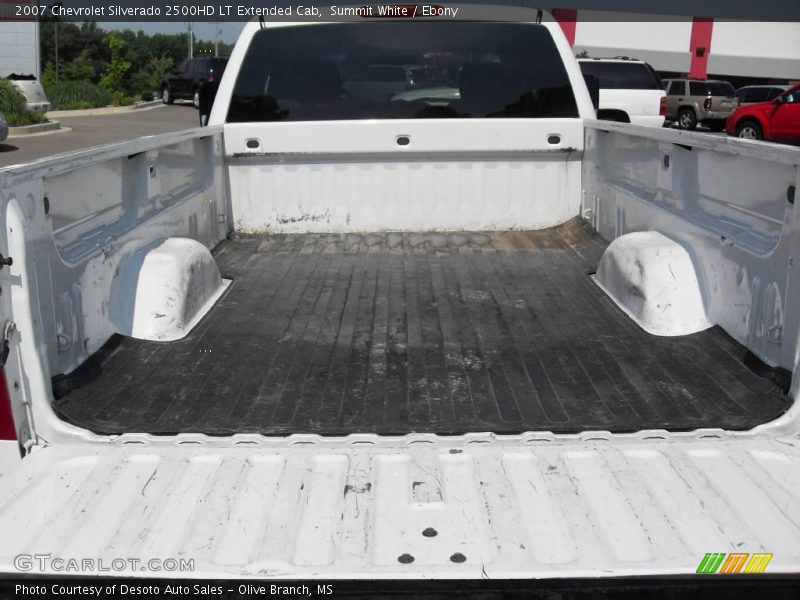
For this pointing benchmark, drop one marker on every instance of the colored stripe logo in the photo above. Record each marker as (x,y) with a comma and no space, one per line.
(734,562)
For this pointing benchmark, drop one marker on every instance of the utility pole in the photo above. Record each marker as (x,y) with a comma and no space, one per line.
(191,40)
(56,42)
(55,36)
(217,27)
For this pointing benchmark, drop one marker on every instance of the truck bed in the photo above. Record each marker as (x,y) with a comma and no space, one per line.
(395,333)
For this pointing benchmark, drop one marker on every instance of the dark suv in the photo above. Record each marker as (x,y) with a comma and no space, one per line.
(184,81)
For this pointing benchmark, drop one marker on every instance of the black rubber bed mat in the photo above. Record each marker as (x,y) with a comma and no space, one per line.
(397,333)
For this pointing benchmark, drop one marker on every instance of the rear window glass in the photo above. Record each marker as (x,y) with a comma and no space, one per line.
(757,95)
(203,66)
(218,64)
(710,88)
(621,76)
(721,88)
(676,88)
(402,70)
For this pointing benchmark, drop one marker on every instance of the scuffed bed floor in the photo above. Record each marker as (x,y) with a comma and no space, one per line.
(398,333)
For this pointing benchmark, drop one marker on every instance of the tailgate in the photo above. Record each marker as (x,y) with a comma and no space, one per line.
(424,508)
(723,103)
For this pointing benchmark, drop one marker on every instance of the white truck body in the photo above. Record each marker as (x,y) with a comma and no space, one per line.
(638,102)
(642,108)
(534,504)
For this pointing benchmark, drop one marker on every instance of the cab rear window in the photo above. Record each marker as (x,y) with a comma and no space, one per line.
(402,70)
(622,76)
(711,88)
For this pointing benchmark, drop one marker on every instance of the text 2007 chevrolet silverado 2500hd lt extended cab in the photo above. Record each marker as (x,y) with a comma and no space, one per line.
(473,333)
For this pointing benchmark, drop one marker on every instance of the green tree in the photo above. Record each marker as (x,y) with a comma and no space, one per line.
(49,75)
(73,41)
(86,45)
(159,67)
(80,69)
(141,84)
(117,68)
(146,81)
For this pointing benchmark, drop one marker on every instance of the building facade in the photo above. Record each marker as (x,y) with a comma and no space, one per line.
(698,47)
(19,42)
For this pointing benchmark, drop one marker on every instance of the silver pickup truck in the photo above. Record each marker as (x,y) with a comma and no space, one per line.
(469,333)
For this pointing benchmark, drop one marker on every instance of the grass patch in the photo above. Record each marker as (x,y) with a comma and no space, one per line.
(12,105)
(11,99)
(25,118)
(77,95)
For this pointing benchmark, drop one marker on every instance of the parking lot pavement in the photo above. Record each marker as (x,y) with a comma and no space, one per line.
(97,130)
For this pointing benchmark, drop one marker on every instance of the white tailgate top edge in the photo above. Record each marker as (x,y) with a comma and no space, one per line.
(487,510)
(368,137)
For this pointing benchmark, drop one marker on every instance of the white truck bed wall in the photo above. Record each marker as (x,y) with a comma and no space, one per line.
(74,220)
(724,200)
(489,175)
(533,505)
(727,201)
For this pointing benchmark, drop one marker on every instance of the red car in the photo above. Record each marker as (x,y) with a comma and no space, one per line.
(778,119)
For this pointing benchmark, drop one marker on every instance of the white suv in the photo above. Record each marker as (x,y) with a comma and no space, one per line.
(630,90)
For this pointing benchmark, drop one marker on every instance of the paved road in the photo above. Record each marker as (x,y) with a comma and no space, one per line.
(94,131)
